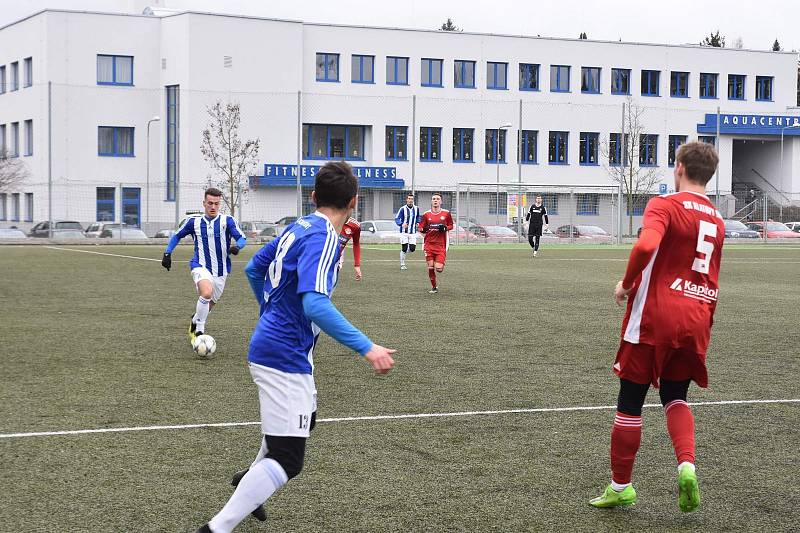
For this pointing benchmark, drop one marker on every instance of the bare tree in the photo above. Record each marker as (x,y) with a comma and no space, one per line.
(738,43)
(626,162)
(12,172)
(231,158)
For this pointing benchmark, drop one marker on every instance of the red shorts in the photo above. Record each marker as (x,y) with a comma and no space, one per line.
(437,256)
(645,363)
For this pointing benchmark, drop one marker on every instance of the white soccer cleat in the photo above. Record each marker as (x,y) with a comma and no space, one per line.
(403,267)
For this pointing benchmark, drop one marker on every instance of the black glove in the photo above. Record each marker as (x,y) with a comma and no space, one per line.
(233,249)
(439,227)
(166,261)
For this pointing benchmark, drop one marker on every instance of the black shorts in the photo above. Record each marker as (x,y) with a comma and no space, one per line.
(535,231)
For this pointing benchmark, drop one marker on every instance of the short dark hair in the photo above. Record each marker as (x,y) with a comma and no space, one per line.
(700,160)
(335,185)
(436,194)
(212,191)
(411,194)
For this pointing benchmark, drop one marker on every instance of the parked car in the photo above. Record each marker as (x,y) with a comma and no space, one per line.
(252,230)
(794,226)
(461,235)
(735,229)
(546,232)
(285,221)
(69,234)
(42,229)
(12,233)
(124,234)
(380,231)
(775,230)
(164,233)
(583,233)
(270,233)
(495,233)
(96,228)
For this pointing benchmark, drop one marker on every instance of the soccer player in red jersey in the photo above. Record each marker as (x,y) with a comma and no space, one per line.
(351,231)
(671,288)
(435,224)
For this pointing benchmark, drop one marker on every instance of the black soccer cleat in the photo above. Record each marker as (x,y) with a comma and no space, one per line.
(204,529)
(259,513)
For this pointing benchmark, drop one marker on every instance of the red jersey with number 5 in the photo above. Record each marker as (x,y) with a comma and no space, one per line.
(435,227)
(672,302)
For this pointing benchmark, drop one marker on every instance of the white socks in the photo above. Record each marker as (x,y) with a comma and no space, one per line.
(619,487)
(263,479)
(687,463)
(402,258)
(201,313)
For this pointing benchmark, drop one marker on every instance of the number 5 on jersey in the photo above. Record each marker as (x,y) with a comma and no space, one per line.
(704,247)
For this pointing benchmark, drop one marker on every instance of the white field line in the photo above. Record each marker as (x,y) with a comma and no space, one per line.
(381,417)
(101,253)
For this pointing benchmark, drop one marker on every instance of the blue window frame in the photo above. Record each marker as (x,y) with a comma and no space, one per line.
(708,85)
(492,147)
(173,138)
(620,81)
(528,146)
(14,152)
(115,141)
(430,144)
(679,84)
(431,72)
(589,145)
(2,79)
(708,139)
(587,204)
(528,77)
(558,150)
(616,148)
(3,206)
(648,150)
(462,145)
(28,72)
(463,74)
(106,204)
(396,143)
(28,207)
(28,137)
(675,142)
(396,70)
(15,76)
(497,76)
(327,67)
(637,205)
(131,206)
(650,82)
(363,69)
(550,202)
(590,80)
(333,141)
(114,70)
(559,78)
(736,86)
(764,88)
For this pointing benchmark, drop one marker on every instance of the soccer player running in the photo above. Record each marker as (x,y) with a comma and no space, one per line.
(435,224)
(212,234)
(351,231)
(536,215)
(671,287)
(407,218)
(300,271)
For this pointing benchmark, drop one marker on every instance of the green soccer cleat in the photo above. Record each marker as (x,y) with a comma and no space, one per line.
(688,490)
(612,498)
(192,332)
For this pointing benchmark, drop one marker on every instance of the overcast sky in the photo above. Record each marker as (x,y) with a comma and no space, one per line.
(758,23)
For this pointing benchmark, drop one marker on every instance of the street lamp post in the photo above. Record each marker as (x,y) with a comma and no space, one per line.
(147,181)
(781,165)
(497,161)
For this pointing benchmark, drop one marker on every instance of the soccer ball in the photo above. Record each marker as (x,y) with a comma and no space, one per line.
(205,346)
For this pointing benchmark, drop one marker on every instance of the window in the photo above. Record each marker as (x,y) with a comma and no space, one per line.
(528,77)
(764,88)
(131,206)
(430,140)
(679,84)
(464,74)
(3,200)
(115,141)
(114,70)
(708,139)
(363,69)
(15,76)
(616,148)
(173,138)
(498,203)
(106,204)
(2,79)
(550,202)
(735,87)
(528,146)
(397,70)
(637,205)
(462,145)
(588,155)
(431,72)
(327,67)
(492,147)
(28,207)
(590,80)
(708,85)
(675,142)
(396,140)
(559,78)
(28,63)
(620,81)
(328,141)
(14,151)
(15,207)
(28,137)
(557,153)
(587,204)
(648,156)
(3,153)
(650,82)
(497,76)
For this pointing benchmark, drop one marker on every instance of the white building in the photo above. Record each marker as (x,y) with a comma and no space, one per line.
(408,108)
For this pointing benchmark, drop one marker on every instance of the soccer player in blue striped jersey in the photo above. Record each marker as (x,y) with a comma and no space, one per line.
(292,279)
(407,218)
(216,237)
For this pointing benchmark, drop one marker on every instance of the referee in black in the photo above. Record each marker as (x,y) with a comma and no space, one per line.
(536,215)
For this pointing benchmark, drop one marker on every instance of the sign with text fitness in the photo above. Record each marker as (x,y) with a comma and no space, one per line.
(751,124)
(273,170)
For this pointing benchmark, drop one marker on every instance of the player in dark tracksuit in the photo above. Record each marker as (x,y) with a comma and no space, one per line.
(536,215)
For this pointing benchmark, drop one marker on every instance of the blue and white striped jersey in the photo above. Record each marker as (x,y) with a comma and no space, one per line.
(407,215)
(211,240)
(302,260)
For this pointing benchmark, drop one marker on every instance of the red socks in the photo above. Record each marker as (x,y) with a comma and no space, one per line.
(432,275)
(680,424)
(626,434)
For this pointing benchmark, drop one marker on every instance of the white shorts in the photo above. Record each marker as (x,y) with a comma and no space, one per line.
(286,401)
(408,238)
(217,282)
